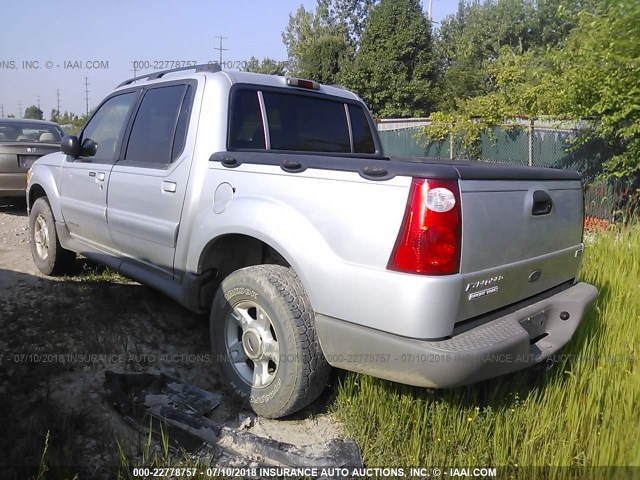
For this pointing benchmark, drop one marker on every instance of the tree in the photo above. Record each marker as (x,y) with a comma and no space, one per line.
(347,16)
(71,121)
(67,118)
(321,42)
(597,78)
(33,112)
(469,42)
(55,115)
(393,69)
(591,77)
(314,46)
(553,20)
(266,65)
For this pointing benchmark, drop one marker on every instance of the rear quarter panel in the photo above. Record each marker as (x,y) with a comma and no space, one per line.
(324,223)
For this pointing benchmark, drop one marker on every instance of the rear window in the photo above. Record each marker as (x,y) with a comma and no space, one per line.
(298,123)
(304,123)
(29,132)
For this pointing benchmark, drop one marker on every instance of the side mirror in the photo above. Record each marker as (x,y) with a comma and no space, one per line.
(70,145)
(89,148)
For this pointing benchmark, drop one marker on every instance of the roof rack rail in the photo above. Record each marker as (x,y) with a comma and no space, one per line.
(204,67)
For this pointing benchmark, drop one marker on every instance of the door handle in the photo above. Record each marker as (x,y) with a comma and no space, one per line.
(99,176)
(169,187)
(542,203)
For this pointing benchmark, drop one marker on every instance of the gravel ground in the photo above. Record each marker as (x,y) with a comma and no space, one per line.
(61,334)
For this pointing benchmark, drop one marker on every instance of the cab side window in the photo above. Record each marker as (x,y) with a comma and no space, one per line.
(107,125)
(246,121)
(362,137)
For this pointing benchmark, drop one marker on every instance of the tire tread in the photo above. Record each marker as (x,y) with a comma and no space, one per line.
(62,259)
(314,374)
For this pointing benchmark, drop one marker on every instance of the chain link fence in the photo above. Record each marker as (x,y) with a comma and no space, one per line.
(527,143)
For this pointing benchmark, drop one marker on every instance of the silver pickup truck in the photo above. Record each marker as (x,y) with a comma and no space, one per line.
(268,202)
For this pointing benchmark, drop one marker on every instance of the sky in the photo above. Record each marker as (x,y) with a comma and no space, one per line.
(49,50)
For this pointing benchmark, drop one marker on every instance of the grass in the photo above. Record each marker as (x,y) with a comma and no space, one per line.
(157,453)
(584,412)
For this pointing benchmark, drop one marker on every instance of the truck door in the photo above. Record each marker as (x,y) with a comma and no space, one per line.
(84,180)
(147,186)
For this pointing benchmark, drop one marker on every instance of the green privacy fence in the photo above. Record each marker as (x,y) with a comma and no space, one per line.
(532,145)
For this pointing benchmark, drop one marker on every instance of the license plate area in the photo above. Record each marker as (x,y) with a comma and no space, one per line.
(535,325)
(25,161)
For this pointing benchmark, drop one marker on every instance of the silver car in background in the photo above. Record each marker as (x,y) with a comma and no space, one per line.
(22,141)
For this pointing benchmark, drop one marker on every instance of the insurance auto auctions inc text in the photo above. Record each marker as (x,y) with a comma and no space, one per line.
(357,472)
(86,64)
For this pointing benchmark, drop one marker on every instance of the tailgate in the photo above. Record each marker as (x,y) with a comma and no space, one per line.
(519,238)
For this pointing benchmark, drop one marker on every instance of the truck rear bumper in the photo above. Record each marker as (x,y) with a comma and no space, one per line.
(479,349)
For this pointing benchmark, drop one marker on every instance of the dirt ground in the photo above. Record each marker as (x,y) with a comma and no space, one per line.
(59,336)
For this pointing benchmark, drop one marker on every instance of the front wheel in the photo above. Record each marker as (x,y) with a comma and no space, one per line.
(47,253)
(265,342)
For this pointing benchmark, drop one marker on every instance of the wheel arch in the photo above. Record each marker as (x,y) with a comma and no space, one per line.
(258,224)
(230,252)
(35,192)
(43,184)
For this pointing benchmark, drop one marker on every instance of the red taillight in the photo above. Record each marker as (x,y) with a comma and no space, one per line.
(429,241)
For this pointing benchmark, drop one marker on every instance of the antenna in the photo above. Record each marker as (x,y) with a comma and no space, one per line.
(220,49)
(135,69)
(86,93)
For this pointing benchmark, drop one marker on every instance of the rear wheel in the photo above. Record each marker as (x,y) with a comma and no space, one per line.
(47,253)
(264,340)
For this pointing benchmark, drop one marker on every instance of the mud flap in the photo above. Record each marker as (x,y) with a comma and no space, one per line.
(179,409)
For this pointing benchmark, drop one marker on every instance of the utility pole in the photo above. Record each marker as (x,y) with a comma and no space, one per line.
(220,49)
(58,97)
(19,109)
(38,101)
(86,93)
(430,10)
(2,110)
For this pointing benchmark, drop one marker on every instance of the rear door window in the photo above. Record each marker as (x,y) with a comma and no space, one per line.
(298,122)
(155,126)
(302,123)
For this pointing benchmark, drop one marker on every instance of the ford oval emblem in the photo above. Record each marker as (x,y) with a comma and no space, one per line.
(535,275)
